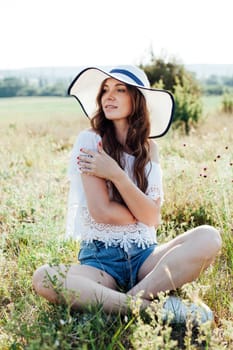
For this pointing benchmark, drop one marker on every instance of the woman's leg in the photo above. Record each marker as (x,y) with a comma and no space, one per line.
(178,261)
(80,286)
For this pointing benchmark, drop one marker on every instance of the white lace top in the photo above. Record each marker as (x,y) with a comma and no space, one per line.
(81,226)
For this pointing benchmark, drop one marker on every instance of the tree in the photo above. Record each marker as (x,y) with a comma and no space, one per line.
(188,106)
(9,87)
(173,77)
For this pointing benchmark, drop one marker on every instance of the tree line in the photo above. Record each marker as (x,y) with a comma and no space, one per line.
(157,69)
(169,75)
(13,86)
(217,85)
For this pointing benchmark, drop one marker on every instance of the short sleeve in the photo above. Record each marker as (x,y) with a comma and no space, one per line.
(155,185)
(86,139)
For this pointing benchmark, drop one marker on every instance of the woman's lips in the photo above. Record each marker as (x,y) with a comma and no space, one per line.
(110,107)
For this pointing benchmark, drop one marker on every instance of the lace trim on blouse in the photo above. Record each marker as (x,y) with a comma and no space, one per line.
(115,235)
(80,225)
(154,192)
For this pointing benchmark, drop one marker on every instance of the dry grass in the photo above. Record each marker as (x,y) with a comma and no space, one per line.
(198,189)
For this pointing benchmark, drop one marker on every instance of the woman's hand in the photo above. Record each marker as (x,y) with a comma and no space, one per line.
(102,167)
(99,163)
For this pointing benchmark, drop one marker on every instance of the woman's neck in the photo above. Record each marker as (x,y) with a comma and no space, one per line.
(121,130)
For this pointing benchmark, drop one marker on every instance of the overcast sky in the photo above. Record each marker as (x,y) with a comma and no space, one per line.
(38,33)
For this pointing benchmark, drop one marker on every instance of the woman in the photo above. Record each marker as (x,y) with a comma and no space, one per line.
(115,200)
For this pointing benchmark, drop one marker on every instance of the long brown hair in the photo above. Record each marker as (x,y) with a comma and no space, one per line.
(136,140)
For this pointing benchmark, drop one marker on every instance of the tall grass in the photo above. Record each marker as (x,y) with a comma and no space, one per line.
(34,155)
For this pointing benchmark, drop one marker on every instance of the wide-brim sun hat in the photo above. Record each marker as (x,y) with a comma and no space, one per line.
(160,103)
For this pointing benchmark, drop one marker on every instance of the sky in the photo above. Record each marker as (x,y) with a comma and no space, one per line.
(52,33)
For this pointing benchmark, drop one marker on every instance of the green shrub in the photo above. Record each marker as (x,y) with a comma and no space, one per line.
(188,106)
(173,76)
(227,103)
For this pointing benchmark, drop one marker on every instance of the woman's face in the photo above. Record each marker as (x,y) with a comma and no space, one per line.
(116,100)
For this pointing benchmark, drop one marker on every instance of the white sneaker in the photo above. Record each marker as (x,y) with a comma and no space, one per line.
(177,311)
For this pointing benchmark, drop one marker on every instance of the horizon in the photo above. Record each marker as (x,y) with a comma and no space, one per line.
(201,71)
(83,66)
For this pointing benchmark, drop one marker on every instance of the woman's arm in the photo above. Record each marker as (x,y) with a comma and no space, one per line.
(101,208)
(143,208)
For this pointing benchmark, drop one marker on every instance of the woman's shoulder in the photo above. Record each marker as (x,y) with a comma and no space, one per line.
(86,138)
(154,151)
(88,134)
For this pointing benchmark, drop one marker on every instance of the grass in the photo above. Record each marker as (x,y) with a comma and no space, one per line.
(36,136)
(20,109)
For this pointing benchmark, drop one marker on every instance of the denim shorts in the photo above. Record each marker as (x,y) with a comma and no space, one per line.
(121,265)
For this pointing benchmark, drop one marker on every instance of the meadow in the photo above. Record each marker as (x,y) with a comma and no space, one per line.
(36,136)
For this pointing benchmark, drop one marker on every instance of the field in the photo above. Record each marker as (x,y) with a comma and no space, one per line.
(36,136)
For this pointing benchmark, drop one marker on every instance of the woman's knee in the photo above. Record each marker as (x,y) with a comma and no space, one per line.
(40,278)
(42,282)
(209,240)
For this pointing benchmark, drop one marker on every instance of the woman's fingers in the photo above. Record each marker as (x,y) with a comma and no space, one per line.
(87,161)
(96,163)
(88,152)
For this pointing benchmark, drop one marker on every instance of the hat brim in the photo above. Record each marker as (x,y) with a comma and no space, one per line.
(160,103)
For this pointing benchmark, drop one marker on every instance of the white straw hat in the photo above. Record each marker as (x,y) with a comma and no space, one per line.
(160,103)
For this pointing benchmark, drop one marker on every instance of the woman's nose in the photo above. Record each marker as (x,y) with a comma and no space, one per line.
(110,95)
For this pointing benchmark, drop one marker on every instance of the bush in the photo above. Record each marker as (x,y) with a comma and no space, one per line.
(188,105)
(227,103)
(173,76)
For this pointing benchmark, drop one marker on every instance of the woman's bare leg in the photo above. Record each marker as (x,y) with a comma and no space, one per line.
(177,262)
(169,267)
(80,286)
